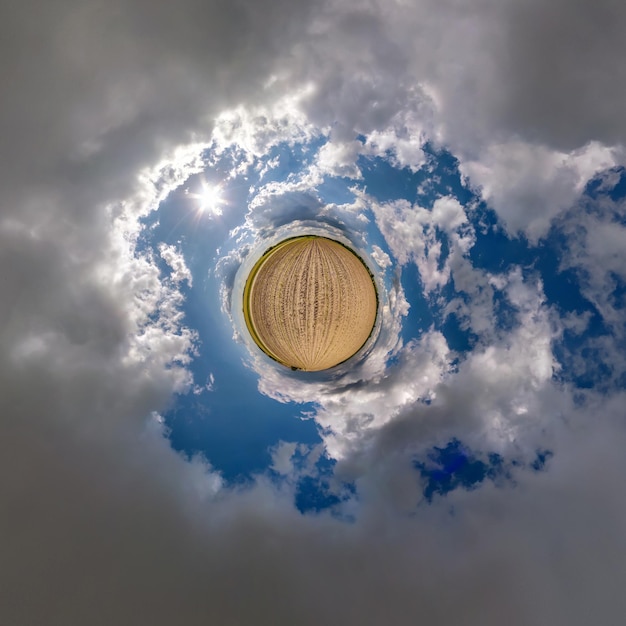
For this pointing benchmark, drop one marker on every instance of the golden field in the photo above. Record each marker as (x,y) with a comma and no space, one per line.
(310,303)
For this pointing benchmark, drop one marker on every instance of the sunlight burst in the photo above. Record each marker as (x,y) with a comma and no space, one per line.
(209,199)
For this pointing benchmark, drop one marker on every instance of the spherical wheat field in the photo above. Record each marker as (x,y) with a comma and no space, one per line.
(310,303)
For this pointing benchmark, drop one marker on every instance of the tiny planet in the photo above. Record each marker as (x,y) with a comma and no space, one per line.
(310,303)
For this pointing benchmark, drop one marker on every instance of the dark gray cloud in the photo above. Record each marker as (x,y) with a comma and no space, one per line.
(548,73)
(94,90)
(563,71)
(92,540)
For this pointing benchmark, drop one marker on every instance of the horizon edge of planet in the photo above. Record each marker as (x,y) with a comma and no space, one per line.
(248,312)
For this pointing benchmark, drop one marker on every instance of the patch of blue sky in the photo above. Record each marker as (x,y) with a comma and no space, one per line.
(455,466)
(617,297)
(506,314)
(494,251)
(444,252)
(562,290)
(459,338)
(443,178)
(315,484)
(438,177)
(581,357)
(180,217)
(610,183)
(579,353)
(313,495)
(321,490)
(227,420)
(420,316)
(443,470)
(543,456)
(386,182)
(337,190)
(585,367)
(234,426)
(287,160)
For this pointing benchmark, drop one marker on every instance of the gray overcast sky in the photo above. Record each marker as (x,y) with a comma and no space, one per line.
(102,523)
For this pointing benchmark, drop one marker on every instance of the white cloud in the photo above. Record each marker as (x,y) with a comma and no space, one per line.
(252,131)
(348,416)
(339,159)
(282,454)
(381,257)
(402,141)
(176,261)
(410,232)
(529,185)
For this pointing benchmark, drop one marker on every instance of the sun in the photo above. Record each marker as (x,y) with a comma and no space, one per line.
(209,199)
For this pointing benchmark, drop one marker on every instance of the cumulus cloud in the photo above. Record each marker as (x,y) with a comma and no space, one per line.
(176,262)
(411,234)
(529,185)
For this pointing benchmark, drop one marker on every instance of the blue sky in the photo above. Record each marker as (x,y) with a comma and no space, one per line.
(237,427)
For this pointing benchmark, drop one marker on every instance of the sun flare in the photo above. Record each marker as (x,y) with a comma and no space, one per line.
(209,199)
